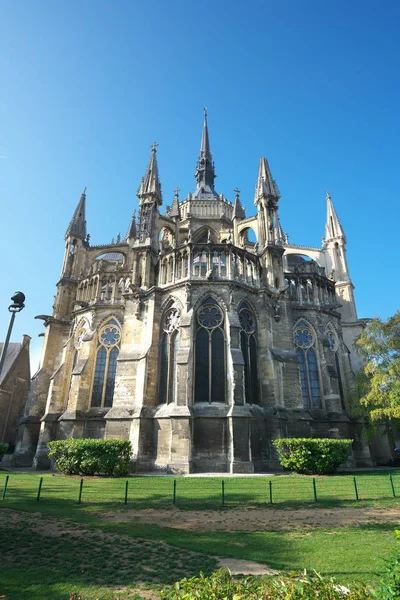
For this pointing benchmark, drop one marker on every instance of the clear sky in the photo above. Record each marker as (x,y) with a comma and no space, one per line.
(87,86)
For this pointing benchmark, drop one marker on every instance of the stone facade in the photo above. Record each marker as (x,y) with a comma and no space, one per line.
(201,336)
(14,386)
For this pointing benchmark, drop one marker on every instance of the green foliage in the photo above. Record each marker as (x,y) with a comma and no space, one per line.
(222,586)
(91,457)
(390,584)
(312,455)
(379,345)
(3,449)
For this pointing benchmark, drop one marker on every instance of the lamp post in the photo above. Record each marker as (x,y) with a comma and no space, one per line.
(17,305)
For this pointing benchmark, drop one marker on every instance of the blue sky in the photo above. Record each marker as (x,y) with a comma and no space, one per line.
(87,86)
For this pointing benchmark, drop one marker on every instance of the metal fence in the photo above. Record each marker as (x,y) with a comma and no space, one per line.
(199,493)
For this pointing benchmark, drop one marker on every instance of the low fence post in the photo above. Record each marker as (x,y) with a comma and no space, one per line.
(355,488)
(80,491)
(39,489)
(314,488)
(270,491)
(126,492)
(174,493)
(5,487)
(392,485)
(223,492)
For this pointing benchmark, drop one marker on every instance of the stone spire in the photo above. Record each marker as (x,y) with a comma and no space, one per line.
(333,227)
(150,186)
(205,173)
(238,210)
(132,227)
(175,211)
(77,226)
(266,186)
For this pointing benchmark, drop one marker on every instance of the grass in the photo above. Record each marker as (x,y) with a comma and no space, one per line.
(105,560)
(205,493)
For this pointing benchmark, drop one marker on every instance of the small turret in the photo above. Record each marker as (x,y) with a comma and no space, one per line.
(175,211)
(150,186)
(266,187)
(77,225)
(333,227)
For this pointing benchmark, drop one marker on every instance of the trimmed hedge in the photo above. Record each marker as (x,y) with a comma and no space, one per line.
(321,456)
(3,449)
(91,457)
(222,586)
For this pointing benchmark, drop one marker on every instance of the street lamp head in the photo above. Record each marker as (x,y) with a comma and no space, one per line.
(18,302)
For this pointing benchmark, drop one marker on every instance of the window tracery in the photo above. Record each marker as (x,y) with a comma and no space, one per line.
(210,367)
(108,345)
(168,354)
(304,341)
(333,342)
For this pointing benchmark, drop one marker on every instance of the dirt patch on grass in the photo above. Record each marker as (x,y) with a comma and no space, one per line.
(269,519)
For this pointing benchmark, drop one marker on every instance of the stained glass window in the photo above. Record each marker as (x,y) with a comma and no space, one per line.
(108,343)
(334,346)
(168,355)
(304,340)
(210,367)
(248,344)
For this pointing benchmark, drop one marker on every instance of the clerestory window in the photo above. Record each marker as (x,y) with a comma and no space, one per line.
(210,369)
(304,341)
(108,345)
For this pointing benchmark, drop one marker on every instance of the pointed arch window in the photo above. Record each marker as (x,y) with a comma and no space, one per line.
(210,369)
(169,346)
(333,342)
(108,345)
(248,343)
(304,341)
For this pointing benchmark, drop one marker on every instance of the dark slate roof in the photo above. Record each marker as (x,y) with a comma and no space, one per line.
(12,352)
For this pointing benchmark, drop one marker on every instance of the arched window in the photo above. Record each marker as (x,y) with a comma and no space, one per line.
(248,343)
(108,344)
(304,340)
(210,371)
(334,346)
(168,353)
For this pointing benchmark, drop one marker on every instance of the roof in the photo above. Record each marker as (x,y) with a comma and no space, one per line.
(12,352)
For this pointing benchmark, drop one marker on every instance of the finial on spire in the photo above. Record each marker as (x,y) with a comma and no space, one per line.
(176,191)
(154,146)
(205,173)
(84,190)
(328,196)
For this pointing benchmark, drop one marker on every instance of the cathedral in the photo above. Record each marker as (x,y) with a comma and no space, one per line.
(201,336)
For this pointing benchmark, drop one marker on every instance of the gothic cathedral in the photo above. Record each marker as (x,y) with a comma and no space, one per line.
(201,336)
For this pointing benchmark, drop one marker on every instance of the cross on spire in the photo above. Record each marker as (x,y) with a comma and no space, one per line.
(177,190)
(154,146)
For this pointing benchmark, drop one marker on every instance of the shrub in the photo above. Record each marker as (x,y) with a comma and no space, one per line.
(3,449)
(222,586)
(390,583)
(90,457)
(312,455)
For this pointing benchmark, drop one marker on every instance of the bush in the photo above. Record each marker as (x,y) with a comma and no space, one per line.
(390,583)
(222,586)
(91,457)
(3,449)
(312,455)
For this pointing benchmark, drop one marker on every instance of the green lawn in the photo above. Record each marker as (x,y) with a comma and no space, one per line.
(203,492)
(110,559)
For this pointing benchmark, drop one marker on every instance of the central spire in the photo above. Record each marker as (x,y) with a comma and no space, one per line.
(205,173)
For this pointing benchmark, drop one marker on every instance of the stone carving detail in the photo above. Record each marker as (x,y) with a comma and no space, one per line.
(172,320)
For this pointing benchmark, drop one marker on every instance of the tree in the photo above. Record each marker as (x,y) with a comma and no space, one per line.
(379,380)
